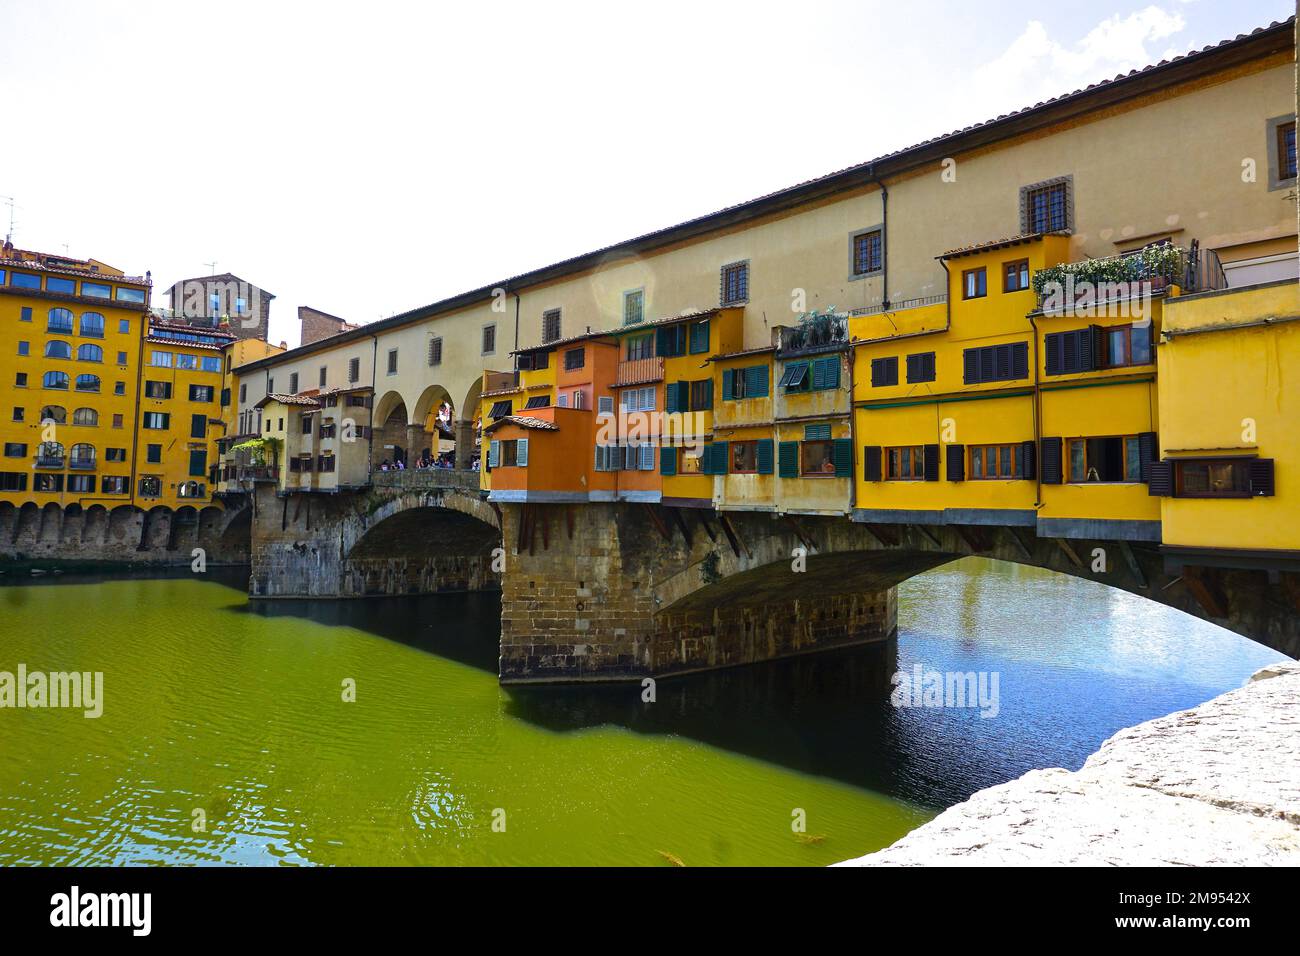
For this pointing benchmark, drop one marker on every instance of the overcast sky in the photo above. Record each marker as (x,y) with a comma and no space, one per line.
(368,158)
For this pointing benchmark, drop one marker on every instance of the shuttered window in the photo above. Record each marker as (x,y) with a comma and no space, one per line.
(996,363)
(435,354)
(668,462)
(920,367)
(795,377)
(699,337)
(826,372)
(884,371)
(788,459)
(354,372)
(1071,352)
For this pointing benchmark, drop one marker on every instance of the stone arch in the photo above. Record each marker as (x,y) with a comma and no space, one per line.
(391,421)
(27,526)
(51,523)
(469,429)
(8,522)
(183,529)
(95,528)
(74,524)
(155,531)
(427,432)
(121,521)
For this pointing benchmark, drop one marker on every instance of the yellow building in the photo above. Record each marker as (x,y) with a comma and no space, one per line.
(70,340)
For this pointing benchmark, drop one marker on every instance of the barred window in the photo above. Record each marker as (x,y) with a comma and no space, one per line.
(435,351)
(489,339)
(735,283)
(633,306)
(1045,206)
(550,325)
(867,252)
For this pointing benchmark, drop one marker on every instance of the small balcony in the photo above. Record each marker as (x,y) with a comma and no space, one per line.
(49,461)
(640,371)
(81,464)
(815,333)
(1153,270)
(499,381)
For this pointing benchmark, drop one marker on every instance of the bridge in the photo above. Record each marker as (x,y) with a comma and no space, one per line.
(618,591)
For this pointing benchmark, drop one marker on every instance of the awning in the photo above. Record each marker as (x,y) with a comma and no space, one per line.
(538,401)
(500,409)
(794,375)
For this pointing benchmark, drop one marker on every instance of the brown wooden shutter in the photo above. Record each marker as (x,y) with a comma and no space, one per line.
(1160,480)
(871,462)
(931,462)
(1051,454)
(1261,477)
(1148,453)
(956,462)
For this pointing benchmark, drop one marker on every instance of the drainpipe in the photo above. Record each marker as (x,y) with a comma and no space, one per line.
(370,442)
(135,424)
(516,321)
(884,239)
(1038,470)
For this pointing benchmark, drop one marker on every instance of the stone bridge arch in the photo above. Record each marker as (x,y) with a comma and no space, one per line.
(641,590)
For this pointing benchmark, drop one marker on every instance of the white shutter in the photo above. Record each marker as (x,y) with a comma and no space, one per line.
(577,399)
(629,457)
(647,457)
(521,453)
(605,405)
(494,454)
(563,402)
(629,399)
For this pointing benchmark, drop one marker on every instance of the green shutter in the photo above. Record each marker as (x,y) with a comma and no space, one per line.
(763,456)
(700,337)
(842,455)
(670,398)
(788,455)
(661,341)
(728,383)
(871,463)
(817,433)
(708,396)
(668,462)
(756,381)
(720,460)
(683,396)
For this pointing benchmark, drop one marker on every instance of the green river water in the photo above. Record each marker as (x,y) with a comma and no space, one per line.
(234,709)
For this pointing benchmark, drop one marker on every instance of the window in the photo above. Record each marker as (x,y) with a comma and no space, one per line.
(550,325)
(354,374)
(817,458)
(26,314)
(114,485)
(326,462)
(160,359)
(293,383)
(1286,151)
(124,326)
(243,393)
(13,481)
(159,390)
(538,401)
(1125,345)
(15,449)
(905,463)
(974,283)
(996,363)
(25,280)
(47,483)
(391,369)
(59,350)
(150,487)
(1047,206)
(750,382)
(920,367)
(435,356)
(60,320)
(868,250)
(1111,459)
(92,325)
(210,363)
(699,337)
(884,371)
(639,399)
(500,409)
(85,416)
(129,295)
(119,388)
(198,463)
(202,393)
(89,352)
(24,348)
(82,484)
(153,454)
(701,397)
(1015,276)
(117,421)
(55,380)
(82,456)
(605,405)
(640,347)
(60,285)
(186,361)
(489,339)
(20,379)
(19,413)
(157,420)
(744,457)
(508,454)
(54,413)
(1224,478)
(114,454)
(93,290)
(671,342)
(198,426)
(633,306)
(735,283)
(270,385)
(49,453)
(88,383)
(996,461)
(121,358)
(574,359)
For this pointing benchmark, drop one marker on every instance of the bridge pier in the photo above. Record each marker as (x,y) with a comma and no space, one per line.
(603,592)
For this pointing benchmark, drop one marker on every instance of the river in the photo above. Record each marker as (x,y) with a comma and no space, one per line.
(225,737)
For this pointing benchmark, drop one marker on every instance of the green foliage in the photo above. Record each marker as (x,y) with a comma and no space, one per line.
(262,451)
(1155,262)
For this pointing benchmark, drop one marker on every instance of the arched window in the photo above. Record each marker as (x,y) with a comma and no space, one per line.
(83,455)
(92,324)
(55,380)
(49,451)
(60,321)
(54,413)
(90,353)
(88,383)
(56,349)
(85,416)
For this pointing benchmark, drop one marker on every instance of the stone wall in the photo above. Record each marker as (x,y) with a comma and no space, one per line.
(584,598)
(125,534)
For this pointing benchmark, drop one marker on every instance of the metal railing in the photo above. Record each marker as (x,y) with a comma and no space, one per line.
(913,303)
(81,464)
(421,478)
(815,334)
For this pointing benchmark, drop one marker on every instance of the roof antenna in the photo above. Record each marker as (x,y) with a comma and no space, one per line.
(212,266)
(9,201)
